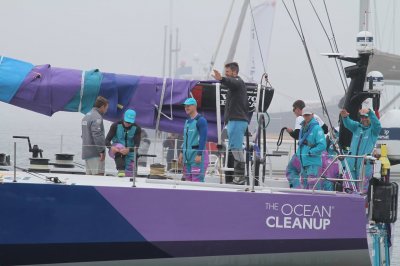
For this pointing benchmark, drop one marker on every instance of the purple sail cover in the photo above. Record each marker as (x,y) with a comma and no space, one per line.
(28,93)
(176,91)
(143,102)
(118,89)
(147,97)
(47,90)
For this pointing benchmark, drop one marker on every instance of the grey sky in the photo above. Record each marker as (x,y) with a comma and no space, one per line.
(123,36)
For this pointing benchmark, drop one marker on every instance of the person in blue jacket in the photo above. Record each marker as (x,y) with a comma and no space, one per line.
(310,147)
(194,154)
(365,135)
(122,139)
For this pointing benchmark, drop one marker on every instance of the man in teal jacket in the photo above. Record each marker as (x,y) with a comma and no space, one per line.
(311,145)
(365,135)
(194,154)
(122,139)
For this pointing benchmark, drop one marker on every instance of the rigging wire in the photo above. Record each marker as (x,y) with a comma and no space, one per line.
(214,56)
(394,26)
(335,43)
(324,109)
(299,30)
(340,71)
(291,18)
(264,76)
(258,41)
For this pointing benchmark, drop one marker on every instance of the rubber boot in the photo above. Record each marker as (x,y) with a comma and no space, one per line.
(229,174)
(239,178)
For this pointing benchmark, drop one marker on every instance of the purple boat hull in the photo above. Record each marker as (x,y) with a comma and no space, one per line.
(43,224)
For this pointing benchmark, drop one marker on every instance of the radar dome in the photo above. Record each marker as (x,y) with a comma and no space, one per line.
(365,42)
(375,81)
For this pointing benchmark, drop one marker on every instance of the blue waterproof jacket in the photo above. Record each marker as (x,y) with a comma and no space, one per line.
(364,138)
(311,144)
(192,143)
(123,136)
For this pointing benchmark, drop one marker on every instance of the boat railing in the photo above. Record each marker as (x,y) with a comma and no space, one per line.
(238,188)
(350,181)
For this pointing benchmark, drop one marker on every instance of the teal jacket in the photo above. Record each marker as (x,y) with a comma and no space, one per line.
(311,144)
(127,136)
(364,138)
(194,138)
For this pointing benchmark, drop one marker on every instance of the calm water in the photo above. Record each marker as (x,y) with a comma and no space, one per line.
(61,133)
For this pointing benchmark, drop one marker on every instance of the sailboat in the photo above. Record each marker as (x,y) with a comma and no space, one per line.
(92,220)
(82,219)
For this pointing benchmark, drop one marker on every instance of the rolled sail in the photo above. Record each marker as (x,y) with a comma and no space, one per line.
(45,89)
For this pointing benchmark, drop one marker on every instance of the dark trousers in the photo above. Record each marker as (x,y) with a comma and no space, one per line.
(231,163)
(120,161)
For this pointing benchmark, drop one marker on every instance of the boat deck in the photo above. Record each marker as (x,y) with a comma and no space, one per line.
(271,185)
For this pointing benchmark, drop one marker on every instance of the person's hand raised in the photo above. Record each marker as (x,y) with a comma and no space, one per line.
(344,113)
(364,111)
(216,75)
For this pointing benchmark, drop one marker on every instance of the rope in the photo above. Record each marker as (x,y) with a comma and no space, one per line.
(280,138)
(157,169)
(258,41)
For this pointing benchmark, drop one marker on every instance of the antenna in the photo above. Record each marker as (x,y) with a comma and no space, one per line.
(364,8)
(366,20)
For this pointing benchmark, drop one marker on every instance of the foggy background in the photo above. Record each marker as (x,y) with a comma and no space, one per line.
(127,37)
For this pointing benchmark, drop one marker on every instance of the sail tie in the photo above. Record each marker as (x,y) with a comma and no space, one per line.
(81,92)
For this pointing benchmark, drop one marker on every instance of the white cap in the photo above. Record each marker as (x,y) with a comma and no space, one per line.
(307,111)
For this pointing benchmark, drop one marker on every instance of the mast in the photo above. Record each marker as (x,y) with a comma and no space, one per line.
(363,19)
(355,94)
(170,38)
(176,50)
(239,26)
(165,50)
